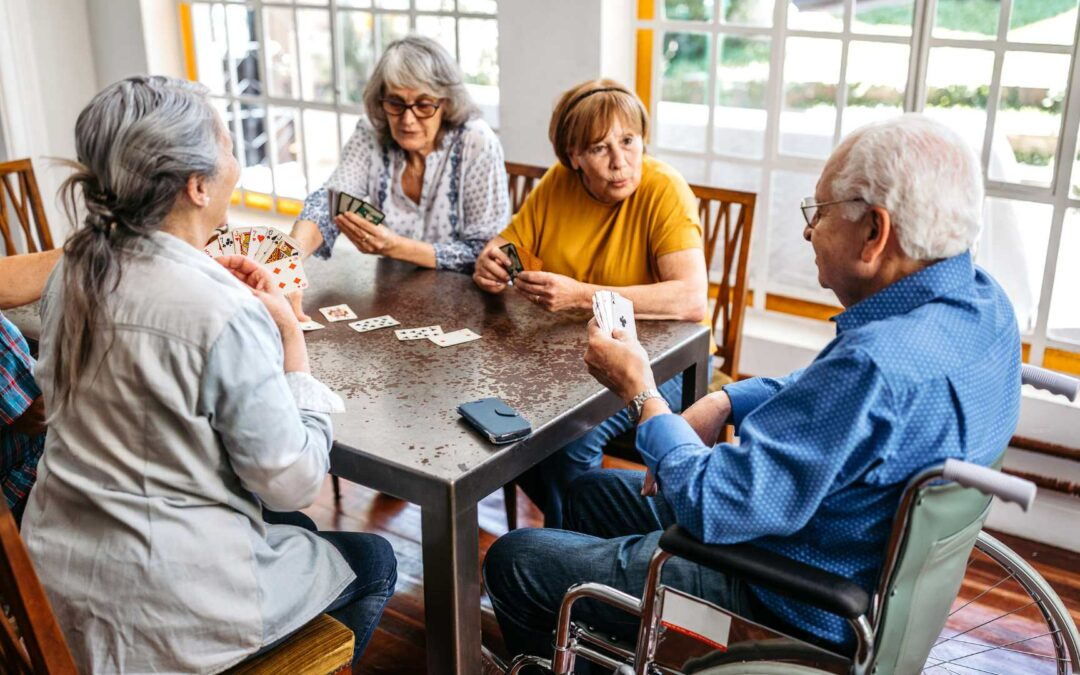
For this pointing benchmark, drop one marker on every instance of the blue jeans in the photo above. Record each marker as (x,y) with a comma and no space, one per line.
(360,605)
(611,533)
(547,482)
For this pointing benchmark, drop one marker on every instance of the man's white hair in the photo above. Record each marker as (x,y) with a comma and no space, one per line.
(923,174)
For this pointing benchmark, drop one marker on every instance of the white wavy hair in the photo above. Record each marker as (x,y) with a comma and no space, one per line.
(923,174)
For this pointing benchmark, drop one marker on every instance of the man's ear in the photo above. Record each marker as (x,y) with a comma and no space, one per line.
(879,229)
(196,190)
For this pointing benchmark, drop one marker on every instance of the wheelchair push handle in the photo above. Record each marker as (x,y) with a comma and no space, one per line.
(1048,380)
(990,482)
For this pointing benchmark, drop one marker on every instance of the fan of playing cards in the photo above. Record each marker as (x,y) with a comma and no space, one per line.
(614,312)
(340,202)
(276,251)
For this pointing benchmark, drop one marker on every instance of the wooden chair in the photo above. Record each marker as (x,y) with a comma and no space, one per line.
(19,196)
(31,640)
(727,220)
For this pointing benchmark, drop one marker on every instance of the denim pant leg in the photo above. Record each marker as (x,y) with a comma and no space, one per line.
(546,483)
(527,572)
(360,605)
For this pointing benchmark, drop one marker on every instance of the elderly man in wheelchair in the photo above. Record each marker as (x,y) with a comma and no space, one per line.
(925,368)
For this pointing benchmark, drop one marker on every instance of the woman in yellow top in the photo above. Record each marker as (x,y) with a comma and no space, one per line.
(607,216)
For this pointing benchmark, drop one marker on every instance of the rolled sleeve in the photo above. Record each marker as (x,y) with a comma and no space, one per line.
(664,434)
(17,386)
(276,441)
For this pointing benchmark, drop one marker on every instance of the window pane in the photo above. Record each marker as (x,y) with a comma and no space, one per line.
(876,80)
(1064,323)
(682,114)
(357,53)
(808,119)
(477,6)
(823,16)
(363,4)
(316,62)
(208,25)
(1012,247)
(792,270)
(280,32)
(734,177)
(392,4)
(244,49)
(480,51)
(435,5)
(1029,116)
(957,87)
(691,168)
(289,141)
(439,28)
(1043,21)
(688,10)
(348,126)
(747,12)
(967,19)
(894,18)
(255,159)
(742,80)
(321,132)
(391,27)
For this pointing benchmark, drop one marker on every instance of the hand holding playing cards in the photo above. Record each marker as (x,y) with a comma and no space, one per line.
(490,274)
(618,362)
(553,292)
(247,271)
(367,236)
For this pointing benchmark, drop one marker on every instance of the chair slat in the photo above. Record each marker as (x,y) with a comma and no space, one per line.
(25,203)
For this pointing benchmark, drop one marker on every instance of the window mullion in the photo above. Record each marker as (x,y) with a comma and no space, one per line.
(264,95)
(921,30)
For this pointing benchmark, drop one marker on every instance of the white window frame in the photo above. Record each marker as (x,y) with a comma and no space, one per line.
(920,42)
(340,106)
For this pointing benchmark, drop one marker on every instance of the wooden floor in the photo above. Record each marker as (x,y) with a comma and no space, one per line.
(398,643)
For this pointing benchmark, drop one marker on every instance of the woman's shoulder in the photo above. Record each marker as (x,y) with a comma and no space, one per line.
(658,175)
(478,134)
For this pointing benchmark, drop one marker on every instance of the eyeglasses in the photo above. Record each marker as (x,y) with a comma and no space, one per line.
(421,109)
(811,209)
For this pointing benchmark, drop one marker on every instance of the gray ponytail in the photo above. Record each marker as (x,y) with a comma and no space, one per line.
(138,143)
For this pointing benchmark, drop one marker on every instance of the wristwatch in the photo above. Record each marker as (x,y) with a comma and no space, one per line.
(634,408)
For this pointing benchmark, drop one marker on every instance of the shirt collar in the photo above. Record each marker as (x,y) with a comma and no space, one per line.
(908,293)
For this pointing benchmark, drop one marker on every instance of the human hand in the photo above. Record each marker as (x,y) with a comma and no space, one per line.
(618,362)
(553,292)
(366,235)
(490,273)
(648,488)
(296,301)
(249,272)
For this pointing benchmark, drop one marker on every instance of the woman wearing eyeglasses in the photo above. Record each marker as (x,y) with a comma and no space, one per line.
(424,157)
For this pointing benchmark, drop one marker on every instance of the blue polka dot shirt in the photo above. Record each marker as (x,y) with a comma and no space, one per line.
(924,370)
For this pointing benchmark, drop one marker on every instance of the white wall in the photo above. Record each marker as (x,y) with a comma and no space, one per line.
(543,52)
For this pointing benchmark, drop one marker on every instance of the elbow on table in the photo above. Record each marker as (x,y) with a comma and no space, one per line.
(695,311)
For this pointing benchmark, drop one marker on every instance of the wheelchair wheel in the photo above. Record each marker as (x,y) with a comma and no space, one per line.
(1007,619)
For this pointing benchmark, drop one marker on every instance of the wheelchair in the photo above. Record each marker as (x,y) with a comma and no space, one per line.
(938,567)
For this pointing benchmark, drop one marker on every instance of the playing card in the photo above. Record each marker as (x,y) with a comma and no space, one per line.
(213,247)
(258,236)
(286,248)
(515,267)
(226,241)
(370,213)
(530,262)
(269,243)
(331,202)
(307,326)
(287,274)
(242,240)
(338,313)
(622,315)
(417,333)
(374,323)
(455,338)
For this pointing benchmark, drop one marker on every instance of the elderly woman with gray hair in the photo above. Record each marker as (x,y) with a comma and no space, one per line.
(180,407)
(425,158)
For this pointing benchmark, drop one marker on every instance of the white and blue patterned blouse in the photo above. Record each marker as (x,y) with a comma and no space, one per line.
(464,201)
(924,370)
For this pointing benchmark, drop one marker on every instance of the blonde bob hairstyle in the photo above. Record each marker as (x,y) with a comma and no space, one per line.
(586,112)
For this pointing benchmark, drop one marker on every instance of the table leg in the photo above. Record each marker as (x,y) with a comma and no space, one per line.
(451,588)
(695,382)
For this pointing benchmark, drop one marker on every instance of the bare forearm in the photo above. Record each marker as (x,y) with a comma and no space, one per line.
(676,299)
(296,356)
(23,277)
(308,234)
(410,250)
(709,416)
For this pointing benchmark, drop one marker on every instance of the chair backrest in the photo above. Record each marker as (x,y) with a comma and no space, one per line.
(42,648)
(943,522)
(727,219)
(19,197)
(522,178)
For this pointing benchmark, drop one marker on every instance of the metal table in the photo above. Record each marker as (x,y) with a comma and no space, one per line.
(401,433)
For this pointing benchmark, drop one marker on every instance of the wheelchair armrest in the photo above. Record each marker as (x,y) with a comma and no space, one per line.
(773,571)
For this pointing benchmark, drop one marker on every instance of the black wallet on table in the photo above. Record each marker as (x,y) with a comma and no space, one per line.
(496,420)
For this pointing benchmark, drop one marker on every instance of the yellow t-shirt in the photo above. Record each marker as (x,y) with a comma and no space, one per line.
(607,244)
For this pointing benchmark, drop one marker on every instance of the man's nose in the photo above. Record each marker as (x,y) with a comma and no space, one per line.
(807,230)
